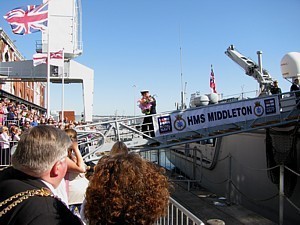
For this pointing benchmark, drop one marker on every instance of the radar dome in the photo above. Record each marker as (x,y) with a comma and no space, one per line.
(201,100)
(290,65)
(213,98)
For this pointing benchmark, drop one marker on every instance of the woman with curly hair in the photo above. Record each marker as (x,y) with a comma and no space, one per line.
(126,189)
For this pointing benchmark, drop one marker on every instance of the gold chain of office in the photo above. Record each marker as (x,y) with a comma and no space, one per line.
(20,197)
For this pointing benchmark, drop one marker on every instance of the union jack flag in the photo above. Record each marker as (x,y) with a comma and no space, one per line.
(212,83)
(28,19)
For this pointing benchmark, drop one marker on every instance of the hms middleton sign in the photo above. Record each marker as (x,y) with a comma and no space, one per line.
(214,115)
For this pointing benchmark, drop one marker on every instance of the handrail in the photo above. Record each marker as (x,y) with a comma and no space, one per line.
(177,213)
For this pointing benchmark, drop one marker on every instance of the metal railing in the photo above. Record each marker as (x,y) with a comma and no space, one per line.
(6,153)
(178,214)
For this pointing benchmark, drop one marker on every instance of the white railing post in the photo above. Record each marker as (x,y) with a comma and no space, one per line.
(281,194)
(118,130)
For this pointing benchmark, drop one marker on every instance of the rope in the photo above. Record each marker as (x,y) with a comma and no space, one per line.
(296,207)
(298,174)
(226,157)
(213,182)
(251,168)
(252,199)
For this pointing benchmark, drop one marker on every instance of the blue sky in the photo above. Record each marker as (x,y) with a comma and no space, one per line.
(135,44)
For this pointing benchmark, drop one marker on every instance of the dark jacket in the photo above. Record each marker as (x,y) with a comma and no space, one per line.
(35,210)
(153,106)
(294,87)
(275,90)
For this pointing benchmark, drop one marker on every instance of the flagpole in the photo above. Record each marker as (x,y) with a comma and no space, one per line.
(48,75)
(63,87)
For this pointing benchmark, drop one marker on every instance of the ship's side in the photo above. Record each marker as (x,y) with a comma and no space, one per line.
(244,168)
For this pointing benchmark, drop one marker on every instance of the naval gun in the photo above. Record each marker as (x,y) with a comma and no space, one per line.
(252,69)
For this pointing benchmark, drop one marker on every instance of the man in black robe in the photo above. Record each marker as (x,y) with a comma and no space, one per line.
(28,188)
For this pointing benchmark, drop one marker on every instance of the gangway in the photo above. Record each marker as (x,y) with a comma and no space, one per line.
(195,124)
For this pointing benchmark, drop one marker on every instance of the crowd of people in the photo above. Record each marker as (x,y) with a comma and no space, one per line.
(17,114)
(16,118)
(123,189)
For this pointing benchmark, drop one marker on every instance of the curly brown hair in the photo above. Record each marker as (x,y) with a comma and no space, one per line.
(126,189)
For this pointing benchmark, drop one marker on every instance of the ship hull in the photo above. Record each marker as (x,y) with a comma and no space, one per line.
(235,166)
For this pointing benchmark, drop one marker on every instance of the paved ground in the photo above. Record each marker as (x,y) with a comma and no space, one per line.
(206,206)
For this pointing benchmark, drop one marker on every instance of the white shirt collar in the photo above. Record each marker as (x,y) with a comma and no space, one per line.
(52,189)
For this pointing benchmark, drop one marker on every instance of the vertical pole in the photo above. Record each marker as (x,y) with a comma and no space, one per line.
(63,88)
(48,74)
(181,75)
(229,179)
(261,86)
(281,194)
(134,100)
(259,54)
(194,161)
(117,129)
(158,157)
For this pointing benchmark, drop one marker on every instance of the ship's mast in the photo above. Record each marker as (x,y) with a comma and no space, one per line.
(181,74)
(181,77)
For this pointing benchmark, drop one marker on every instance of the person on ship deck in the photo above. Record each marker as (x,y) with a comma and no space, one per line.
(147,105)
(275,89)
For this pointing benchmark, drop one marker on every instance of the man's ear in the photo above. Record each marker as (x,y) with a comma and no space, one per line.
(54,172)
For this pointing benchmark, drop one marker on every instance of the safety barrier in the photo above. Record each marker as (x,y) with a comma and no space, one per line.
(10,123)
(177,214)
(5,153)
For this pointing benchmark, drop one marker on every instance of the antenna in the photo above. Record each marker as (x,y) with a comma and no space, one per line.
(185,84)
(181,75)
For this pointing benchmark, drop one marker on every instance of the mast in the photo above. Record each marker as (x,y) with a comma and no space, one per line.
(181,74)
